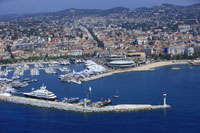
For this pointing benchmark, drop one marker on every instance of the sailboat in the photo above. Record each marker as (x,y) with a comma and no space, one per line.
(117,94)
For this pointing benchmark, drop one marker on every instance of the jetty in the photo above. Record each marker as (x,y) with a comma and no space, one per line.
(79,108)
(195,63)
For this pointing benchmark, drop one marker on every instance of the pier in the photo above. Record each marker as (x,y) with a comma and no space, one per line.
(79,108)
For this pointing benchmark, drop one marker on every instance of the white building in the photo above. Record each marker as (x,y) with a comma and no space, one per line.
(189,51)
(176,50)
(142,40)
(184,28)
(76,52)
(23,46)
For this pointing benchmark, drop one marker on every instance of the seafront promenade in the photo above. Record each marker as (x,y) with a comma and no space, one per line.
(79,108)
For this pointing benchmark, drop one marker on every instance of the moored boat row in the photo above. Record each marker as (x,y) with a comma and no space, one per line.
(92,69)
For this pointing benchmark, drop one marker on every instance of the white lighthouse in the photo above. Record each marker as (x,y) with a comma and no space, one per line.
(164,95)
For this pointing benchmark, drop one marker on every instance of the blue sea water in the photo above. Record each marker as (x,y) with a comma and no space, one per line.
(182,87)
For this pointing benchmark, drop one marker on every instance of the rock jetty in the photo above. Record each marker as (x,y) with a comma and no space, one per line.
(78,108)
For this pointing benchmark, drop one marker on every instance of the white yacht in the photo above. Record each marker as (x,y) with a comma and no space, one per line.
(10,90)
(42,93)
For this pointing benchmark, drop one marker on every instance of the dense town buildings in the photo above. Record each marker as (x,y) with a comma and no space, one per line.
(164,29)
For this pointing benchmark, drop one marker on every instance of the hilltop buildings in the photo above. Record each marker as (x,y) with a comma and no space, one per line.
(160,30)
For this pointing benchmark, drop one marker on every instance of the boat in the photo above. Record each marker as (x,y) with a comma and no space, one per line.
(18,84)
(65,63)
(72,60)
(15,77)
(101,103)
(90,89)
(71,100)
(34,80)
(42,93)
(10,90)
(27,80)
(74,81)
(107,102)
(176,68)
(117,94)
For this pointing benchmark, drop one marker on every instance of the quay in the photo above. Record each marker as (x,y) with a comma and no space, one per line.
(79,108)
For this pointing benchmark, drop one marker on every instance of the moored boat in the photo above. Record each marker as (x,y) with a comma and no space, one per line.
(102,103)
(42,93)
(71,100)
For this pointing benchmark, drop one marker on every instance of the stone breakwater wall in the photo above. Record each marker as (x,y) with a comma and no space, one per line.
(78,108)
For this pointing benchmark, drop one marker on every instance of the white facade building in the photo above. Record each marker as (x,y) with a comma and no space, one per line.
(176,50)
(189,51)
(76,52)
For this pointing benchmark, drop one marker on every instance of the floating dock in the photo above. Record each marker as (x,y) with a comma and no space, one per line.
(79,108)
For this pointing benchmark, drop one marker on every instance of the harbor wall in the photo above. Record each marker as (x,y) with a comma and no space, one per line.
(78,108)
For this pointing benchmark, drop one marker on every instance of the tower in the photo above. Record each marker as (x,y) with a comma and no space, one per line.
(85,102)
(164,95)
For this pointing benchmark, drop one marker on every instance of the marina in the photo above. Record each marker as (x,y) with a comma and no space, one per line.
(135,90)
(50,70)
(89,69)
(35,72)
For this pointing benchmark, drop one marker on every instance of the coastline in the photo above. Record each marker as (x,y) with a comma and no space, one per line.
(148,67)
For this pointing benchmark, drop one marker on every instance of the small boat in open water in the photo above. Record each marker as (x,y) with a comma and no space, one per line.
(115,96)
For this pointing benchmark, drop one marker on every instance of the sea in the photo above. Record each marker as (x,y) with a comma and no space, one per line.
(183,94)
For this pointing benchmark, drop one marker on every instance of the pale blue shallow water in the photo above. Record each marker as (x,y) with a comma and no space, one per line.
(182,86)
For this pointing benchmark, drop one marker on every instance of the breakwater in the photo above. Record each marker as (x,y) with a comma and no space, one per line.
(78,108)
